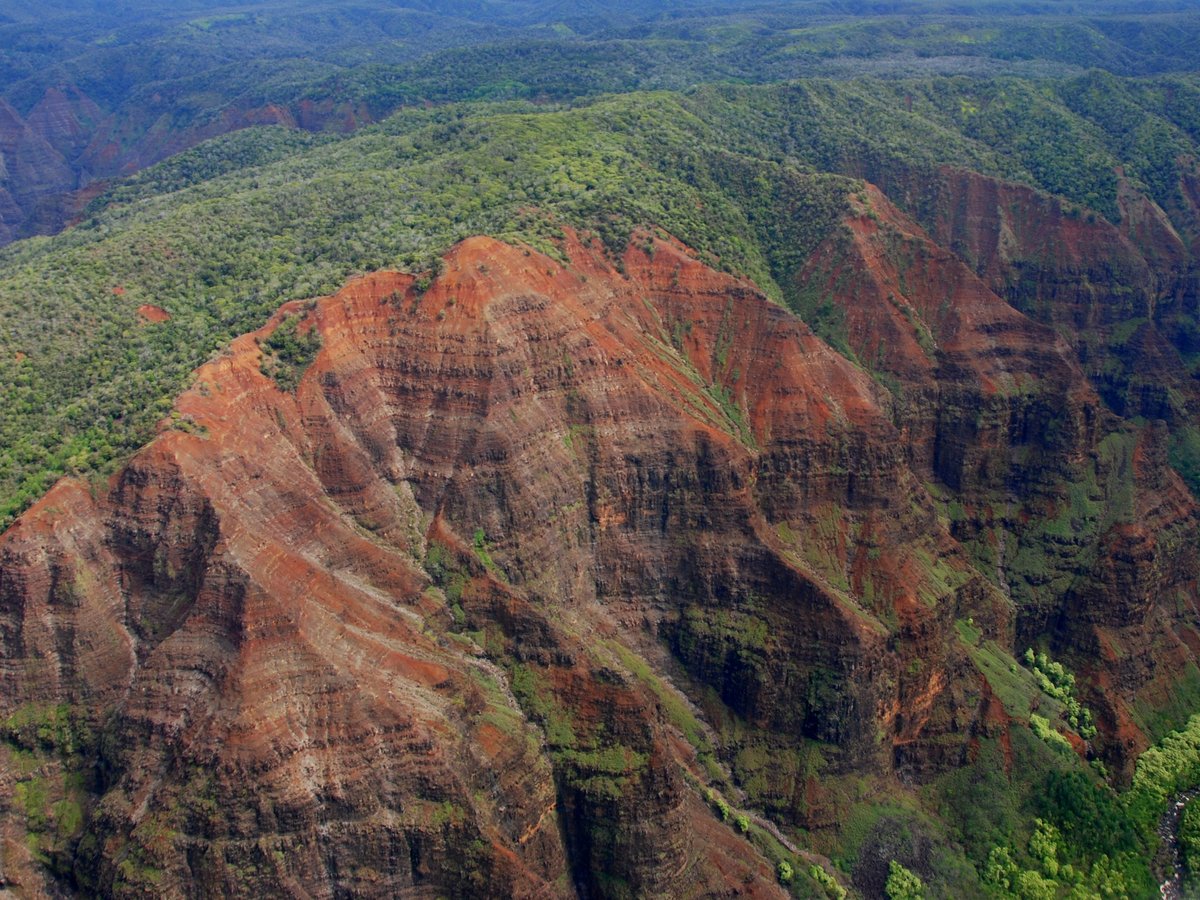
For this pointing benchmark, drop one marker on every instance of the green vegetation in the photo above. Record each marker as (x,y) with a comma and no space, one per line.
(828,883)
(1016,687)
(1033,818)
(1055,681)
(1043,869)
(1184,455)
(1161,719)
(1189,844)
(61,730)
(602,773)
(479,544)
(448,575)
(903,884)
(727,649)
(224,233)
(1166,769)
(719,804)
(85,382)
(288,352)
(1089,815)
(670,701)
(588,761)
(51,748)
(1089,840)
(1061,523)
(784,872)
(533,132)
(1041,727)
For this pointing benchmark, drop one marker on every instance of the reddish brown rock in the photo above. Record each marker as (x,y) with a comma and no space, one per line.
(152,314)
(65,117)
(34,178)
(973,379)
(1124,296)
(246,617)
(405,628)
(66,150)
(1000,410)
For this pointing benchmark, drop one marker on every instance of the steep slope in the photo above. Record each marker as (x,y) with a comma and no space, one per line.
(34,178)
(1076,516)
(222,234)
(112,94)
(1123,295)
(67,150)
(243,637)
(417,598)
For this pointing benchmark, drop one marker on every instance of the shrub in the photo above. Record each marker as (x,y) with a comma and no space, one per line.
(903,884)
(828,883)
(784,872)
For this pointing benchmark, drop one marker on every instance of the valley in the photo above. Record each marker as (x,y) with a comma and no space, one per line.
(713,479)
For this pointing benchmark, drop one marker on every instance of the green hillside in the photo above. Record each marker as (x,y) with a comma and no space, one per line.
(223,234)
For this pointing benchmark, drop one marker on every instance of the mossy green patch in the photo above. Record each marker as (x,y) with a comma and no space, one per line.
(676,709)
(287,352)
(59,729)
(479,544)
(967,632)
(604,772)
(1016,686)
(1184,456)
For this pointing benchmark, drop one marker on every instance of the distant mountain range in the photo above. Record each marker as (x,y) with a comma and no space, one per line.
(90,93)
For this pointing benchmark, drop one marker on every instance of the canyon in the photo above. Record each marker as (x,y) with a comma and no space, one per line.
(66,150)
(599,450)
(521,573)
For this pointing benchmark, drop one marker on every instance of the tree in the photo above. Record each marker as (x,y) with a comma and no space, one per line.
(785,872)
(903,884)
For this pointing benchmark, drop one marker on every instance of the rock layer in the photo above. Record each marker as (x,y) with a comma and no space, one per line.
(404,628)
(66,149)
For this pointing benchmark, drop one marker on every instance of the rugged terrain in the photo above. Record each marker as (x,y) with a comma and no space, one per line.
(781,486)
(89,93)
(66,151)
(507,574)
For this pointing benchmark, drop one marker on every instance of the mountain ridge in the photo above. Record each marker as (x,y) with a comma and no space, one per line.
(529,461)
(503,486)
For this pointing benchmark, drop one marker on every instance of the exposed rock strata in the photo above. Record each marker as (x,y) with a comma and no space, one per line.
(1013,413)
(384,634)
(65,150)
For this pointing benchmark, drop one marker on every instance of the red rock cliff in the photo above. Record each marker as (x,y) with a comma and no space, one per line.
(405,628)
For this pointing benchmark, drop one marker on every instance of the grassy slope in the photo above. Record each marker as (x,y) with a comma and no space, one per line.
(219,255)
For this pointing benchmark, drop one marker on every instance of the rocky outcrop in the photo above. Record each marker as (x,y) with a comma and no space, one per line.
(1079,520)
(407,614)
(269,633)
(65,117)
(1123,295)
(34,177)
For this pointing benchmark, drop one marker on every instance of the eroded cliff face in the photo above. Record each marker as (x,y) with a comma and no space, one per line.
(1074,514)
(457,613)
(34,179)
(1123,295)
(387,618)
(66,150)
